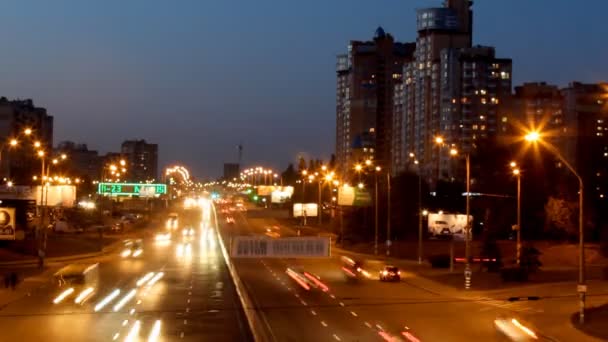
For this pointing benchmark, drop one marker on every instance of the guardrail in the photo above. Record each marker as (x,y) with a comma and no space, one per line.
(259,329)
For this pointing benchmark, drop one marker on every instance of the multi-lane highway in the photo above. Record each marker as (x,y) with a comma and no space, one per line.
(178,289)
(365,310)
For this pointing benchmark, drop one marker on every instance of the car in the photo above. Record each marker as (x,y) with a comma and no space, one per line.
(514,329)
(390,273)
(133,249)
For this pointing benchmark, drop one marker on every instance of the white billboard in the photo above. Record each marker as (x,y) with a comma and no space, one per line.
(306,209)
(7,223)
(353,196)
(57,195)
(449,225)
(289,247)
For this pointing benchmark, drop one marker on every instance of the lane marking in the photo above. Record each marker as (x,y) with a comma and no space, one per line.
(337,338)
(341,304)
(303,303)
(379,327)
(115,336)
(353,313)
(313,312)
(181,334)
(185,322)
(368,325)
(332,296)
(324,324)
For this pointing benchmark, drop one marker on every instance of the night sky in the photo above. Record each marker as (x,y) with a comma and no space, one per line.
(198,77)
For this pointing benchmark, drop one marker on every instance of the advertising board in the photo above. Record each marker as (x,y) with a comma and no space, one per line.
(7,223)
(448,225)
(289,247)
(353,196)
(306,209)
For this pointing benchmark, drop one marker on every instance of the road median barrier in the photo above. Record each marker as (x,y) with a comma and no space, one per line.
(528,298)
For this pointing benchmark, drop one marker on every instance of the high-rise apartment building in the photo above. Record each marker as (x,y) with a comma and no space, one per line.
(586,134)
(142,160)
(366,77)
(15,117)
(538,105)
(451,89)
(82,161)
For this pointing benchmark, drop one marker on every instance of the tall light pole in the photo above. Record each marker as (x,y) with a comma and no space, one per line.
(388,214)
(517,174)
(376,211)
(467,229)
(420,214)
(534,137)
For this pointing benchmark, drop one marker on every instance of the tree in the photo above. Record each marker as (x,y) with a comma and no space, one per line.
(301,164)
(559,215)
(311,165)
(289,176)
(332,162)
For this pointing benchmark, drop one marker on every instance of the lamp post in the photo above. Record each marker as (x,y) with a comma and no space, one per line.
(420,214)
(517,173)
(375,209)
(534,137)
(467,229)
(388,214)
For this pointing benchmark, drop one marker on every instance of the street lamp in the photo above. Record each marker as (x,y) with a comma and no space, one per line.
(420,212)
(534,137)
(467,229)
(517,173)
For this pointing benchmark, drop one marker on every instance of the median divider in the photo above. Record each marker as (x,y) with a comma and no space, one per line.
(258,326)
(515,299)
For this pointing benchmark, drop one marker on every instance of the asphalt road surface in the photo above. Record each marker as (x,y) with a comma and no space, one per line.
(175,290)
(364,310)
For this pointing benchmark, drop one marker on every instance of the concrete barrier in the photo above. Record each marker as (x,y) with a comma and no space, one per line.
(258,326)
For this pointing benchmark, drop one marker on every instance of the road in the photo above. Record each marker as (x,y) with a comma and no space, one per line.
(366,310)
(189,296)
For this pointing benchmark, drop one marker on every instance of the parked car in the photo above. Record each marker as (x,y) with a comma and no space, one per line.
(61,226)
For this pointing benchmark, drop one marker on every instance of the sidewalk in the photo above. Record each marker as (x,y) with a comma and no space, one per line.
(30,279)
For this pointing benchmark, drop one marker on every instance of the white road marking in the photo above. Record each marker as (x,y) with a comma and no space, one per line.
(332,296)
(353,313)
(313,312)
(337,338)
(341,304)
(303,303)
(368,325)
(324,324)
(185,321)
(181,335)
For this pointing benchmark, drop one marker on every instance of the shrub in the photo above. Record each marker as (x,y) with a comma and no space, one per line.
(440,261)
(518,274)
(529,259)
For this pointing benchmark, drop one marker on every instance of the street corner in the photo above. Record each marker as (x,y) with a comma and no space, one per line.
(596,322)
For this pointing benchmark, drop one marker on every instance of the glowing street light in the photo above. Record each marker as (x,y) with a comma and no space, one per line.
(13,142)
(532,136)
(438,140)
(27,131)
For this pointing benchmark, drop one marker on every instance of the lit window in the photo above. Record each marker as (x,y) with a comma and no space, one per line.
(494,100)
(372,130)
(483,91)
(599,128)
(599,134)
(483,127)
(481,117)
(483,100)
(504,119)
(600,121)
(475,127)
(504,75)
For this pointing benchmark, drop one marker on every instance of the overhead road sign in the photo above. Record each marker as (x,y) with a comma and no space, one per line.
(131,189)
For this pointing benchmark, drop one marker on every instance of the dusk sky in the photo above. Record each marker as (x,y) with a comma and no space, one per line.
(198,77)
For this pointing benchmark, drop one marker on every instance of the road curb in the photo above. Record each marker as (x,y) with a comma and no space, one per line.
(28,262)
(259,330)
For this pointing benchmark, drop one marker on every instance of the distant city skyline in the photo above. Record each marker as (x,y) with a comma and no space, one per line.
(201,78)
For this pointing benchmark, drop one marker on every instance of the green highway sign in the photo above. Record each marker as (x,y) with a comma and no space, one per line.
(131,189)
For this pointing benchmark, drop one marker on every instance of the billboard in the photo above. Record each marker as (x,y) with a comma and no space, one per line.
(289,247)
(7,223)
(281,194)
(353,196)
(57,195)
(306,209)
(449,226)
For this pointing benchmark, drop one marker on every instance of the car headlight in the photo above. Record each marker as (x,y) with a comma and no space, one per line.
(384,273)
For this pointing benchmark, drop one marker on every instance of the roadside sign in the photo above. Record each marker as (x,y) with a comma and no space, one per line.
(289,247)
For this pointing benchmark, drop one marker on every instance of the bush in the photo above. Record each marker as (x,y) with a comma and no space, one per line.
(529,259)
(440,261)
(518,274)
(490,250)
